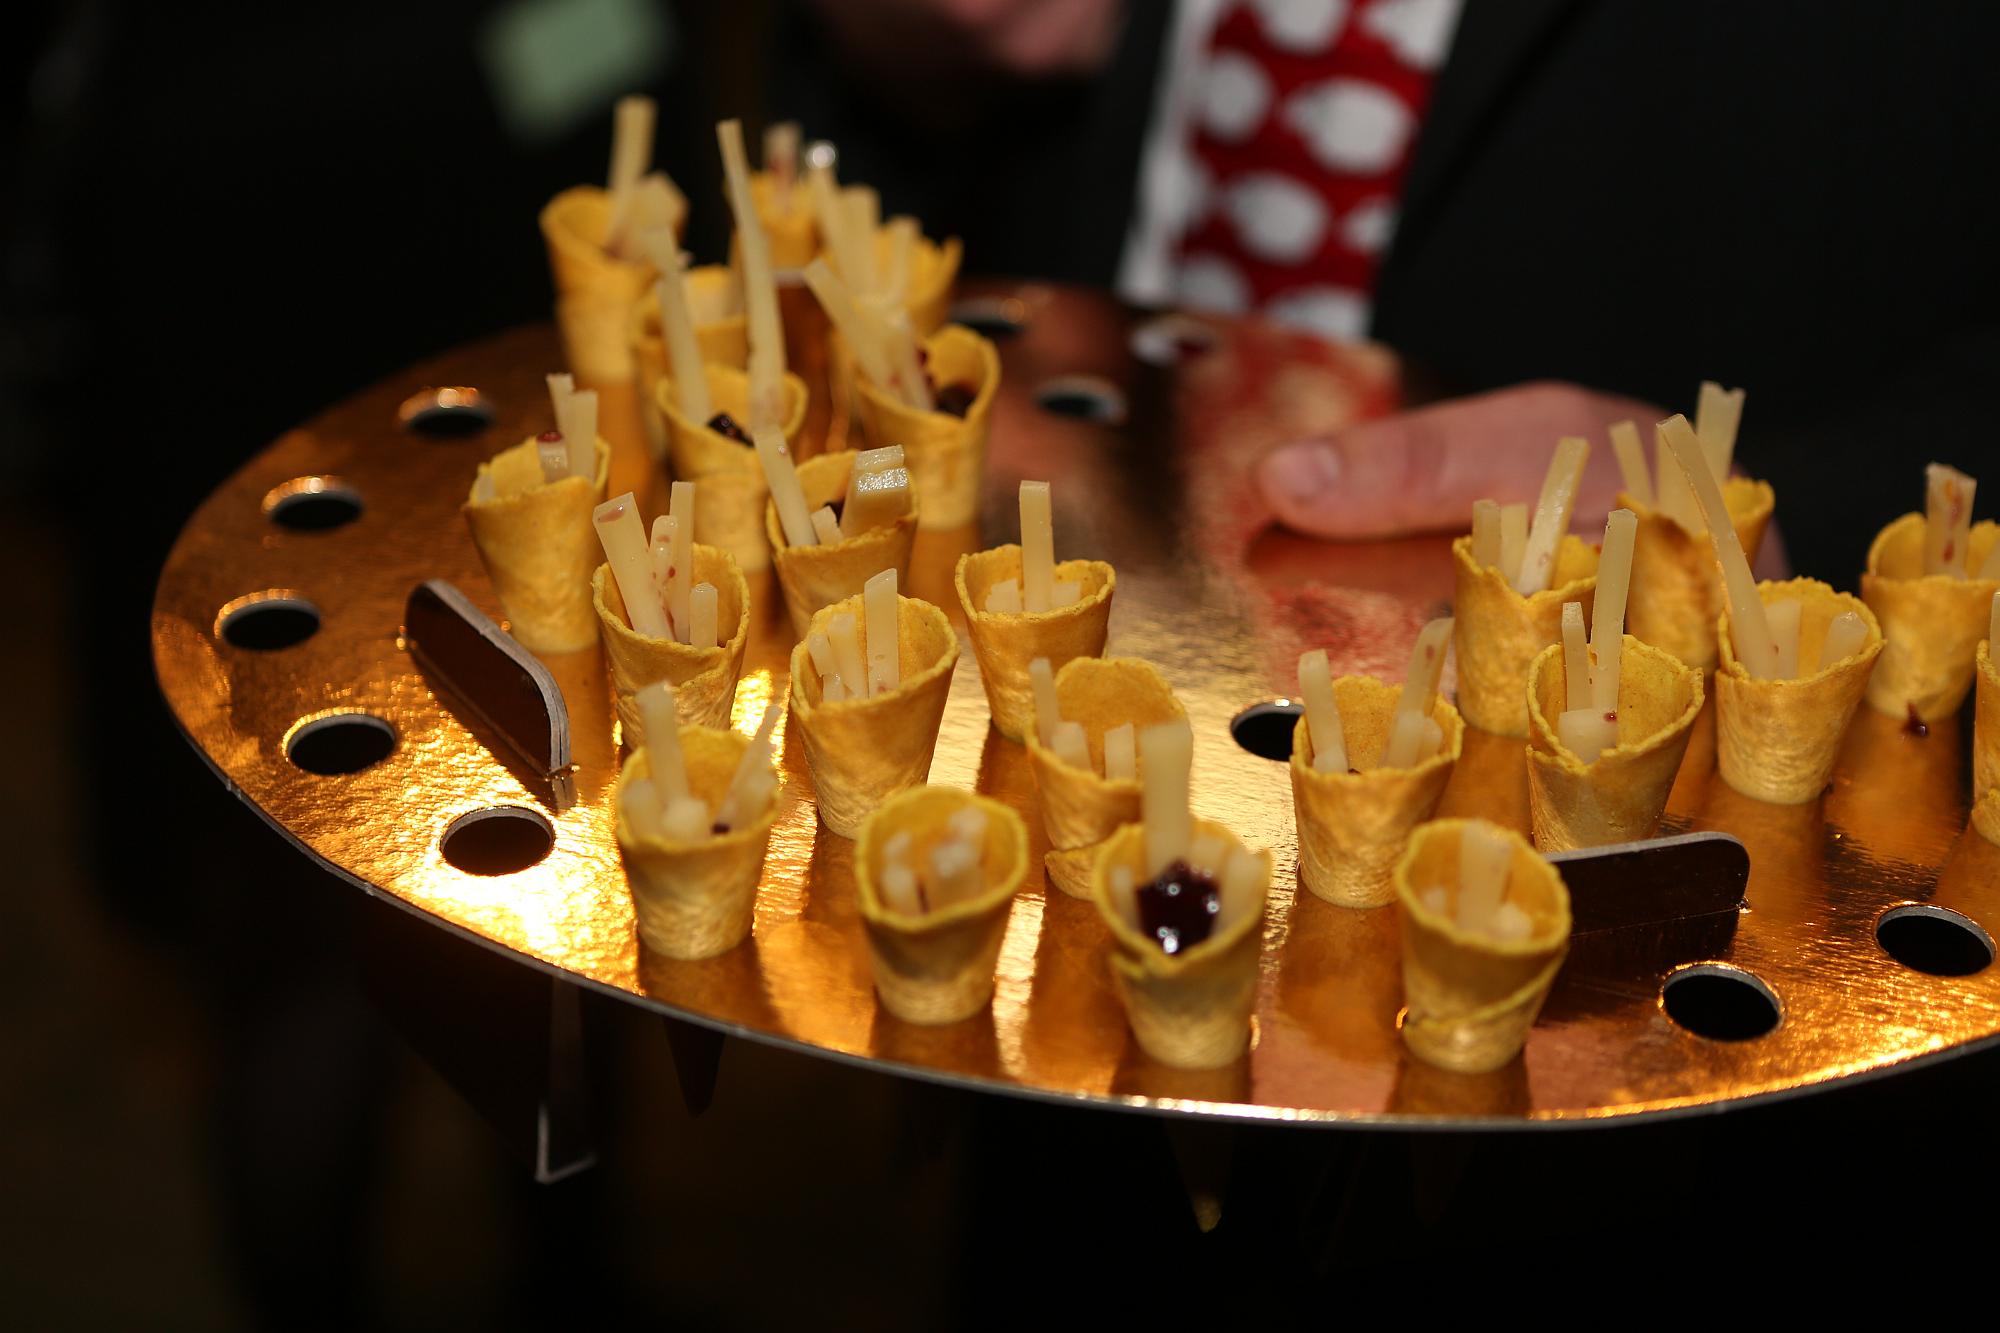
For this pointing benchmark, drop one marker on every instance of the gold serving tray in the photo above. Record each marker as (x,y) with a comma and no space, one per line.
(1222,606)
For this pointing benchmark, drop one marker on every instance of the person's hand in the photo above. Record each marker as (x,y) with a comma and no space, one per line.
(1420,471)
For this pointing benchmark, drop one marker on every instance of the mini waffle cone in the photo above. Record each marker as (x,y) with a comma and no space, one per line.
(946,454)
(1353,826)
(704,679)
(1676,590)
(1776,740)
(1986,724)
(1499,632)
(595,293)
(730,494)
(1006,641)
(1081,808)
(538,546)
(815,576)
(863,751)
(1190,1010)
(695,899)
(1986,816)
(792,235)
(1471,999)
(722,340)
(1930,623)
(1620,797)
(938,967)
(933,271)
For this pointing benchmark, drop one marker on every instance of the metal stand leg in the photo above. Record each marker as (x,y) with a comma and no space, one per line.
(508,1038)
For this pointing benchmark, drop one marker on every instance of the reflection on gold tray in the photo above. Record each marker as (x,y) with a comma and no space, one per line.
(1222,611)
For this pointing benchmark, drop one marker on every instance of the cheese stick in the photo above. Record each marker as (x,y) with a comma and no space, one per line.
(1947,519)
(898,881)
(1538,557)
(1632,462)
(680,570)
(1486,532)
(1783,618)
(1071,745)
(787,496)
(1513,539)
(1748,628)
(1042,679)
(1847,633)
(553,454)
(753,779)
(1607,621)
(895,286)
(624,542)
(910,381)
(1576,657)
(781,158)
(760,294)
(666,762)
(1004,598)
(1484,861)
(1673,497)
(1717,414)
(1038,559)
(825,526)
(702,602)
(1586,732)
(1166,753)
(878,604)
(878,492)
(832,216)
(841,632)
(861,337)
(1413,735)
(831,687)
(1329,740)
(677,328)
(1121,746)
(631,150)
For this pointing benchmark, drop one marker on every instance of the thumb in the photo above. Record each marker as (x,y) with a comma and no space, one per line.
(1420,471)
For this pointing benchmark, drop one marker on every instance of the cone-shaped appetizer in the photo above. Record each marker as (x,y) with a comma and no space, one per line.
(669,610)
(938,411)
(1513,577)
(1608,719)
(1184,899)
(716,333)
(1676,594)
(529,511)
(1020,605)
(936,870)
(719,452)
(868,718)
(1986,718)
(1369,762)
(1084,747)
(600,268)
(1777,737)
(1929,581)
(864,521)
(695,807)
(1485,927)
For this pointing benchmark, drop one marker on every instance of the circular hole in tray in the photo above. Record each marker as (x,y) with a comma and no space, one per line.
(267,621)
(1265,729)
(1168,340)
(313,504)
(499,840)
(334,743)
(446,414)
(1936,940)
(994,317)
(1085,397)
(1720,1002)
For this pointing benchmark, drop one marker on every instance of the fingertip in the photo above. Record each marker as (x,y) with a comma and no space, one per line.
(1300,483)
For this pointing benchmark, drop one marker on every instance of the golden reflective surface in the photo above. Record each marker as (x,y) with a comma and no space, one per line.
(1220,606)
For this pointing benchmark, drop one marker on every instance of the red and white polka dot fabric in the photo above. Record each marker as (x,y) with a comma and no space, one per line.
(1300,136)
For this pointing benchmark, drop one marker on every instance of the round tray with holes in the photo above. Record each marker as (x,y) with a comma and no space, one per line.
(1864,946)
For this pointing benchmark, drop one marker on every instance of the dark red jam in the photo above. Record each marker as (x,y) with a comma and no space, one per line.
(1916,725)
(1178,909)
(550,437)
(725,425)
(955,400)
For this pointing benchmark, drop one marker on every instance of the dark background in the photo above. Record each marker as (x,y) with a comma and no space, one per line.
(217,223)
